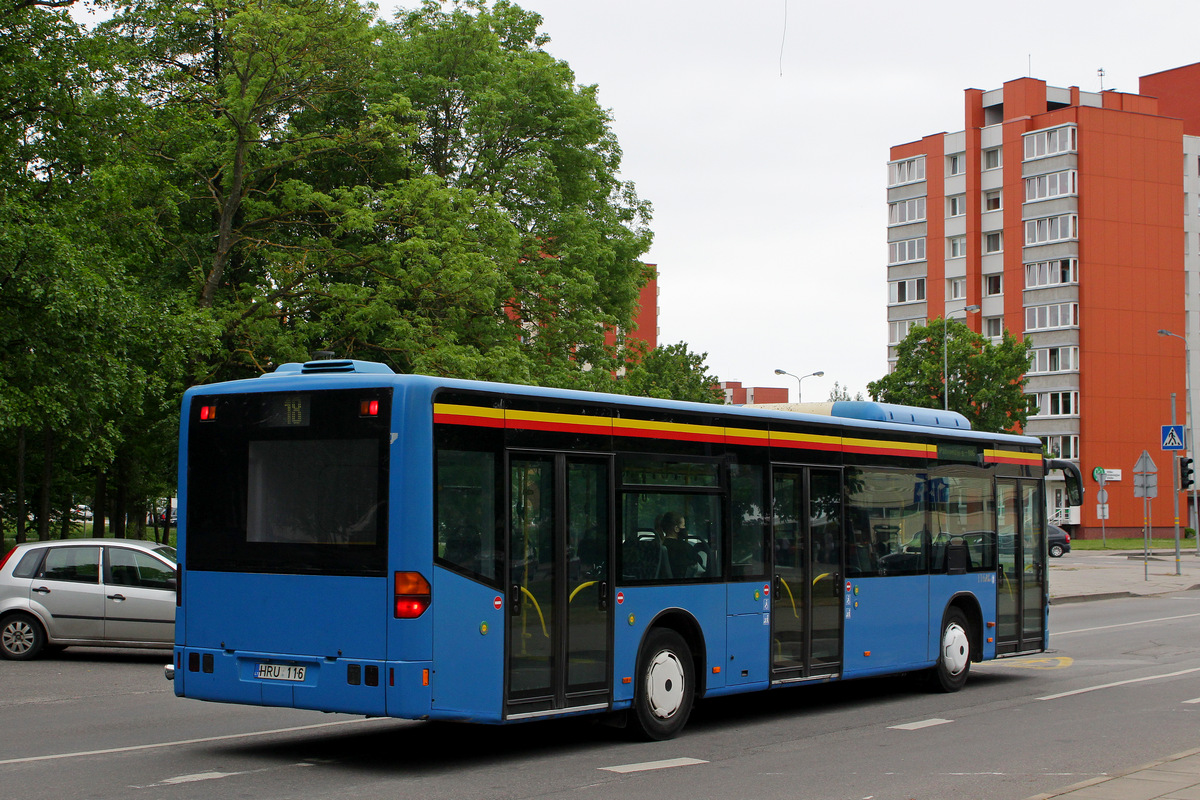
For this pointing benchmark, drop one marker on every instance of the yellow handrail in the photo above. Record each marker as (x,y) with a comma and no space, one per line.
(790,596)
(536,608)
(578,588)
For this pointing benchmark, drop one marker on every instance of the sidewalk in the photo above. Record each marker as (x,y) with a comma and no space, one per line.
(1097,575)
(1089,575)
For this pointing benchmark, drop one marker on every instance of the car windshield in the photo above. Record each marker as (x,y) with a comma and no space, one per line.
(167,552)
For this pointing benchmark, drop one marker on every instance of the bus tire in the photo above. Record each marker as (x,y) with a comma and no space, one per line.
(21,637)
(666,686)
(954,652)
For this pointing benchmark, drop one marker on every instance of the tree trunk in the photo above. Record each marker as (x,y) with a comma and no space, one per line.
(100,503)
(68,511)
(20,484)
(120,506)
(44,491)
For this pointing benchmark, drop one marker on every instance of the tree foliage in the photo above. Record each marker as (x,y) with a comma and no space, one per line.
(672,372)
(986,380)
(200,190)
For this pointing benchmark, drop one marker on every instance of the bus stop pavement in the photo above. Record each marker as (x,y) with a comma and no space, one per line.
(1091,575)
(1099,575)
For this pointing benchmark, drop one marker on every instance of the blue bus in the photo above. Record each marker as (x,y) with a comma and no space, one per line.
(358,541)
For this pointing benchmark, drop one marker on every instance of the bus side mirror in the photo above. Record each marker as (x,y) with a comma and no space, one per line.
(1072,476)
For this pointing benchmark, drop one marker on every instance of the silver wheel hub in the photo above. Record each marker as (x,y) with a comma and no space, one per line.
(17,637)
(956,649)
(665,684)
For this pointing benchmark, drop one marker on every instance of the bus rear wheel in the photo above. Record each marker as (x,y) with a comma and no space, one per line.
(954,652)
(666,686)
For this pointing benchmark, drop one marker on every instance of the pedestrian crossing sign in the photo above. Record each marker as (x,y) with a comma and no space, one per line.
(1172,437)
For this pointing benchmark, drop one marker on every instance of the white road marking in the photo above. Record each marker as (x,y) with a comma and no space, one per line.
(646,766)
(180,742)
(199,776)
(1119,683)
(1193,701)
(916,726)
(1054,633)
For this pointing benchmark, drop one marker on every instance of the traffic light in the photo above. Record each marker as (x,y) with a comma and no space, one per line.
(1185,473)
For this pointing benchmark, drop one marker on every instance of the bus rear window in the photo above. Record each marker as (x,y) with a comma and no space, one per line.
(302,496)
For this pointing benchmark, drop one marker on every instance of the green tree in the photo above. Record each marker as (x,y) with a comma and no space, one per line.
(671,372)
(986,380)
(839,392)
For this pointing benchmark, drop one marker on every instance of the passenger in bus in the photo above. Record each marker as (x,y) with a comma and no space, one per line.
(681,555)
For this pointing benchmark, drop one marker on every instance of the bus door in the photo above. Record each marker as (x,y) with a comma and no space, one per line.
(806,513)
(558,583)
(1021,578)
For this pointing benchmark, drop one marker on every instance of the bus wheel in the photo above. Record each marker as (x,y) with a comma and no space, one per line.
(954,654)
(21,637)
(666,685)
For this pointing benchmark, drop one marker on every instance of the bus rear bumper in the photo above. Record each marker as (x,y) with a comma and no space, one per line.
(334,684)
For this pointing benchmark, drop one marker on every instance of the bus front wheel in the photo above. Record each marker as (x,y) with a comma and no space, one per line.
(666,686)
(954,652)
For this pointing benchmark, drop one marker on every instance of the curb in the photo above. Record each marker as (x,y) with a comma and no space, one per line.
(1106,778)
(1083,598)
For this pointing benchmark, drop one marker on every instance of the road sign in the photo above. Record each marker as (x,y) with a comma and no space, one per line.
(1102,496)
(1145,477)
(1172,437)
(1102,511)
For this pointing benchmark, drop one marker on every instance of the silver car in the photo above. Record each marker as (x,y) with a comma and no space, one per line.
(94,592)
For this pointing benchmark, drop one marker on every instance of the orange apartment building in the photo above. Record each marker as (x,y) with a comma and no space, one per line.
(1071,219)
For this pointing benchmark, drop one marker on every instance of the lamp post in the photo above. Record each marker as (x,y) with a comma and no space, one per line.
(945,359)
(800,379)
(1187,388)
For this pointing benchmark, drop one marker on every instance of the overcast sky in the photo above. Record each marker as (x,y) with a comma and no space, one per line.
(762,145)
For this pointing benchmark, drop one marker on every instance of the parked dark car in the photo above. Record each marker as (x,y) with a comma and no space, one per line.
(1058,540)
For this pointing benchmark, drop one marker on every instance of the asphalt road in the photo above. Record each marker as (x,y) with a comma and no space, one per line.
(1121,687)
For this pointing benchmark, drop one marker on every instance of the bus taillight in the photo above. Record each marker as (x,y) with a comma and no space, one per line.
(413,595)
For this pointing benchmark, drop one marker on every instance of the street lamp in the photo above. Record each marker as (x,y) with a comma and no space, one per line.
(800,379)
(1187,388)
(945,361)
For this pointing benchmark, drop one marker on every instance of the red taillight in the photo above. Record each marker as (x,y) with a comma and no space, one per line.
(1068,538)
(7,556)
(368,408)
(208,412)
(412,595)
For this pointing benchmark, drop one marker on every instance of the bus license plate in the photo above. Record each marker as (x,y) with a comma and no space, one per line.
(279,672)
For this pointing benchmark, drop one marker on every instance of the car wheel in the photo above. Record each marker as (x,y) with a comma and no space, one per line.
(1056,550)
(666,686)
(21,637)
(954,654)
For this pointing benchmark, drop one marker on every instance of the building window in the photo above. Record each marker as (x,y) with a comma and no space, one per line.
(906,211)
(898,329)
(908,291)
(956,288)
(993,285)
(957,247)
(992,158)
(1065,446)
(956,206)
(1056,184)
(907,171)
(1058,404)
(907,250)
(1051,229)
(1050,142)
(1051,273)
(1054,359)
(956,164)
(993,242)
(993,327)
(1056,315)
(992,200)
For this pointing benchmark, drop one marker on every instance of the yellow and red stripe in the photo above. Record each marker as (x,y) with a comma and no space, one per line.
(477,416)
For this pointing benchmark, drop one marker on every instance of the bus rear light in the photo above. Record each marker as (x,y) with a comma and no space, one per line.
(412,595)
(368,408)
(208,413)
